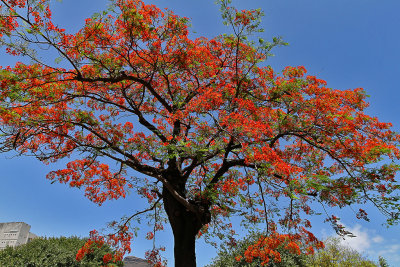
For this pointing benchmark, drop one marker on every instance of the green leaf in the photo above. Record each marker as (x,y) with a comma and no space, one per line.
(58,60)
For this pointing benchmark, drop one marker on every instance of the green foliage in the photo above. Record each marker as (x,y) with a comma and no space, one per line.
(52,252)
(226,256)
(338,255)
(245,25)
(383,262)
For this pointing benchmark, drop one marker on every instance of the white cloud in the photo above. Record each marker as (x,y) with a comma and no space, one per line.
(390,249)
(364,238)
(377,239)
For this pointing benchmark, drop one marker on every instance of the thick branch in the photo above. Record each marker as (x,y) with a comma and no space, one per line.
(124,77)
(225,167)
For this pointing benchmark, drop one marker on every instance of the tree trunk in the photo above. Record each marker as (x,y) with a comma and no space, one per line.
(185,226)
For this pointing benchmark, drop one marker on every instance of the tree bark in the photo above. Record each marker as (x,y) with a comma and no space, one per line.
(185,226)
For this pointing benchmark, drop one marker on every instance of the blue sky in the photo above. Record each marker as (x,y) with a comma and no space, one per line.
(349,44)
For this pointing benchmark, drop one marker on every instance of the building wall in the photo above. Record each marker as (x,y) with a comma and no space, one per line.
(14,234)
(132,261)
(31,236)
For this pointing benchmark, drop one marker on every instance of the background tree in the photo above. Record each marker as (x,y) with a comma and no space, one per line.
(199,127)
(383,262)
(51,252)
(337,254)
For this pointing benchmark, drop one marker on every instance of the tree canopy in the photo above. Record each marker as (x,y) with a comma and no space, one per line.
(201,128)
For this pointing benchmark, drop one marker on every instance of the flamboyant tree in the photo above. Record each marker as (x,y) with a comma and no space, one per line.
(199,127)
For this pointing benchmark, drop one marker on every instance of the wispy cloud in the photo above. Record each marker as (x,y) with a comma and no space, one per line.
(377,239)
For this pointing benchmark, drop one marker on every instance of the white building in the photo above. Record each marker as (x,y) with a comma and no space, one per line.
(14,234)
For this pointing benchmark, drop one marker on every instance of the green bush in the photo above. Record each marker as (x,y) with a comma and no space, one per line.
(52,252)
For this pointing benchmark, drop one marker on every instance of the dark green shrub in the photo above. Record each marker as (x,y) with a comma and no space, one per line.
(52,252)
